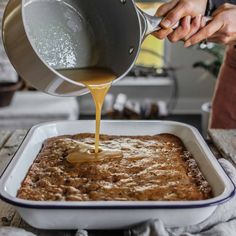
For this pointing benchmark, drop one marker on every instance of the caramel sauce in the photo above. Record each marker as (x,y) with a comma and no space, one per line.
(98,81)
(85,153)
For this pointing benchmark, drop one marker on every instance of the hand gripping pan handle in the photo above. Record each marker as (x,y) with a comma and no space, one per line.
(152,23)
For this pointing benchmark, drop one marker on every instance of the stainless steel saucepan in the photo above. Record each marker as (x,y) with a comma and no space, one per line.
(43,36)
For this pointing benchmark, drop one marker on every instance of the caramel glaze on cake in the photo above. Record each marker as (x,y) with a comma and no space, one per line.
(151,168)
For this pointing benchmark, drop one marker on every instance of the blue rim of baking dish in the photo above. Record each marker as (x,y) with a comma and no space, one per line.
(51,205)
(116,207)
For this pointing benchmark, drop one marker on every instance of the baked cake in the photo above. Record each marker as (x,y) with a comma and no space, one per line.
(128,168)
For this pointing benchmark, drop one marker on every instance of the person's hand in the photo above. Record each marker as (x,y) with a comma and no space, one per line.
(180,10)
(222,29)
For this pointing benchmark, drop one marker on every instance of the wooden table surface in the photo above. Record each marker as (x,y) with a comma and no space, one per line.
(9,143)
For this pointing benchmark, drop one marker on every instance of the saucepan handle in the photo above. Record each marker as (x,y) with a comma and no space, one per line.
(152,23)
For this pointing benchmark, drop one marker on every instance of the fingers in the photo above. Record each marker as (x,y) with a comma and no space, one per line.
(196,25)
(219,38)
(162,33)
(165,8)
(219,30)
(203,22)
(205,33)
(187,29)
(182,30)
(178,12)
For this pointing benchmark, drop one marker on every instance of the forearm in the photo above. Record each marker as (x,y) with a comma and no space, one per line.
(214,4)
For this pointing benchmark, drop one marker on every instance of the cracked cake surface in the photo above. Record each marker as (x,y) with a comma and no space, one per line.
(132,168)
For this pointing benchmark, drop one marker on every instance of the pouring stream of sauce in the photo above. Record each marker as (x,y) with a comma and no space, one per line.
(98,81)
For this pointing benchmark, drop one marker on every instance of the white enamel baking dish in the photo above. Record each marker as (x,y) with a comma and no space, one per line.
(113,214)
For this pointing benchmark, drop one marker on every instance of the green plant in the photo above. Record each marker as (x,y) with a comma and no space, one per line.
(213,65)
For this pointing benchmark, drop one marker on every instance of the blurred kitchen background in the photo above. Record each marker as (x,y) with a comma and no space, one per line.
(168,82)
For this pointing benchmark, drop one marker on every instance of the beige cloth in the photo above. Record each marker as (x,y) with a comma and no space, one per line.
(224,101)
